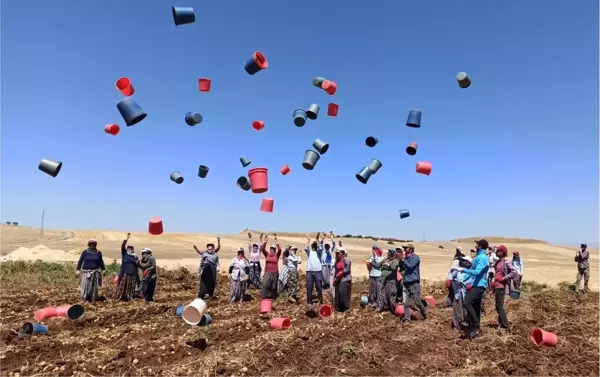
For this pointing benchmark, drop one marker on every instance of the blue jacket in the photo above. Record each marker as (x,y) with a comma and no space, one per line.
(479,270)
(90,260)
(412,273)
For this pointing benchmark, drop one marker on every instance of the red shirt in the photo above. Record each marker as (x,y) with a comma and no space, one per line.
(272,259)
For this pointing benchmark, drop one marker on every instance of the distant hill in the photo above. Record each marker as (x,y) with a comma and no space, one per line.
(500,240)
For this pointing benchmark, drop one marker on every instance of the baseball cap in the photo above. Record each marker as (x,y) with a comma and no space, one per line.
(409,246)
(483,244)
(584,244)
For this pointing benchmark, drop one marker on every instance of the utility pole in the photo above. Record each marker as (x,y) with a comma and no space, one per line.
(423,236)
(42,226)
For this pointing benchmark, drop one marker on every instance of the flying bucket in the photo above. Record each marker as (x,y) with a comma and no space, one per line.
(325,310)
(243,183)
(259,180)
(31,328)
(124,86)
(374,165)
(364,174)
(313,111)
(543,338)
(155,227)
(364,301)
(131,112)
(176,177)
(267,205)
(371,141)
(192,313)
(332,109)
(244,161)
(280,323)
(41,314)
(203,171)
(204,85)
(192,119)
(404,213)
(414,118)
(310,159)
(321,146)
(183,15)
(300,117)
(285,169)
(258,125)
(256,63)
(112,129)
(318,81)
(329,86)
(265,306)
(464,81)
(423,167)
(412,149)
(52,168)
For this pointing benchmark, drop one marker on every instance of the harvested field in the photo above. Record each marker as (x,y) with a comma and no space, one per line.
(137,338)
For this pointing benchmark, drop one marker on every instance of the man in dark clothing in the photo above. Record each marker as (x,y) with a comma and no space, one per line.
(399,275)
(583,268)
(412,282)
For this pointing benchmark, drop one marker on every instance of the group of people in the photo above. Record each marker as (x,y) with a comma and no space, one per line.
(90,268)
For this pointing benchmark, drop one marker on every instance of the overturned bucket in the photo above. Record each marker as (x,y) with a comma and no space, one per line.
(206,320)
(423,167)
(131,112)
(32,328)
(404,213)
(543,338)
(325,310)
(52,168)
(414,118)
(464,81)
(183,15)
(192,119)
(256,63)
(321,146)
(243,183)
(374,165)
(364,174)
(70,311)
(155,226)
(176,177)
(179,310)
(259,180)
(310,159)
(412,149)
(203,171)
(123,85)
(41,314)
(267,205)
(371,141)
(429,301)
(313,111)
(280,323)
(244,161)
(192,313)
(300,117)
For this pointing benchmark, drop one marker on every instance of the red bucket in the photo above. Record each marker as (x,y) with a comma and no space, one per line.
(204,85)
(332,109)
(543,338)
(267,205)
(156,226)
(265,306)
(259,180)
(124,86)
(258,125)
(423,167)
(112,129)
(285,169)
(280,323)
(325,310)
(329,86)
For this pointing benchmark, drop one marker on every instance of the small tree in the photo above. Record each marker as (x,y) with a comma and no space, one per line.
(15,223)
(390,242)
(8,223)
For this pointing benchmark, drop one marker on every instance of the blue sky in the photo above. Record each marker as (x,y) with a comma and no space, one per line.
(516,154)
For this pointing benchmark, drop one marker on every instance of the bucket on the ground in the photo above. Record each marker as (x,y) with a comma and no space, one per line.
(423,167)
(115,280)
(321,146)
(464,81)
(259,180)
(400,310)
(206,320)
(70,311)
(515,294)
(203,171)
(374,165)
(52,168)
(32,328)
(280,323)
(131,112)
(179,310)
(310,159)
(177,177)
(371,141)
(285,169)
(243,183)
(244,161)
(258,125)
(364,174)
(313,111)
(318,81)
(155,226)
(412,149)
(192,119)
(364,300)
(123,85)
(329,86)
(404,213)
(204,85)
(256,63)
(332,109)
(41,314)
(300,117)
(543,338)
(267,205)
(430,301)
(112,129)
(325,310)
(183,15)
(414,118)
(192,313)
(265,306)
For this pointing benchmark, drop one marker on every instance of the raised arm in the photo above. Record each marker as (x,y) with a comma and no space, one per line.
(332,242)
(249,242)
(197,251)
(263,247)
(307,247)
(218,245)
(124,244)
(278,247)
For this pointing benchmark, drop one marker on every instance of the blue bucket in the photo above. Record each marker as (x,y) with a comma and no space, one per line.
(515,294)
(404,213)
(131,112)
(183,15)
(414,118)
(256,63)
(206,320)
(299,117)
(193,119)
(31,328)
(179,310)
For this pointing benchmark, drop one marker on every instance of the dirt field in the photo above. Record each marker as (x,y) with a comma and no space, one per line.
(116,338)
(544,263)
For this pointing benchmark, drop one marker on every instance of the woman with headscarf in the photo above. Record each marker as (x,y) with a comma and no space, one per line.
(271,281)
(148,267)
(375,261)
(238,272)
(255,268)
(517,263)
(461,284)
(288,278)
(386,298)
(89,268)
(129,272)
(343,280)
(504,273)
(327,261)
(455,263)
(209,260)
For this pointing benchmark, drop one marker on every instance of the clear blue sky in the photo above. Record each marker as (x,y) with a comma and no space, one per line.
(516,154)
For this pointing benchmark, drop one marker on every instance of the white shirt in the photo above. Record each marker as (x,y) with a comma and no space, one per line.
(239,268)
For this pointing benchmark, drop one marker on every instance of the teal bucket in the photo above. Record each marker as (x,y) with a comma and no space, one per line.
(179,310)
(364,301)
(206,320)
(515,294)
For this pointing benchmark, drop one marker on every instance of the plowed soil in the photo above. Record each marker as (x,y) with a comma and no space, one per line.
(138,338)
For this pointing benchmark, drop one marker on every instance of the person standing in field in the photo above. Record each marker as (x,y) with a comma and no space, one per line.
(343,280)
(271,279)
(386,297)
(517,263)
(400,275)
(209,260)
(129,279)
(504,273)
(375,261)
(314,269)
(455,263)
(412,282)
(255,268)
(238,276)
(288,278)
(461,285)
(327,261)
(89,269)
(149,276)
(583,268)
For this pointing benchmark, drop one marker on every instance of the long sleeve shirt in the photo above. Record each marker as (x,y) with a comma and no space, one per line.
(254,255)
(238,268)
(506,270)
(292,261)
(90,260)
(388,269)
(344,273)
(209,257)
(271,259)
(412,265)
(479,269)
(149,264)
(314,259)
(518,265)
(327,258)
(582,259)
(375,263)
